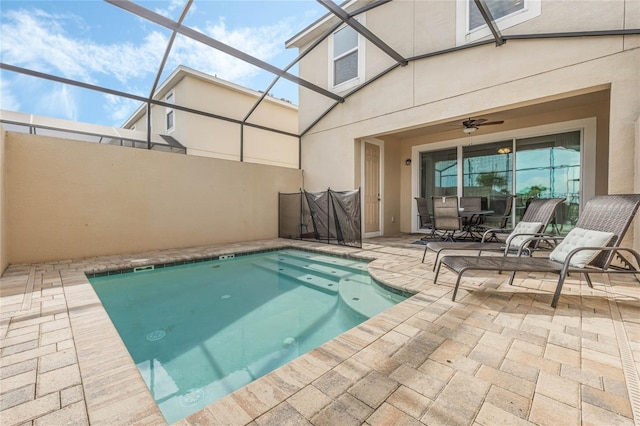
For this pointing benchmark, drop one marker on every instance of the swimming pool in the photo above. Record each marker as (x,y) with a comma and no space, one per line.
(198,332)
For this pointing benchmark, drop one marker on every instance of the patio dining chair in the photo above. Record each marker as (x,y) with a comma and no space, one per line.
(446,217)
(499,220)
(534,221)
(471,204)
(424,217)
(587,249)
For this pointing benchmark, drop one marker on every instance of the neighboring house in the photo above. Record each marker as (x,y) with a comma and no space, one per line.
(220,134)
(570,105)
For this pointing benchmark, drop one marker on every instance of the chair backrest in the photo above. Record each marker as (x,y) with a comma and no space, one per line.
(541,210)
(609,213)
(423,212)
(471,203)
(502,208)
(445,213)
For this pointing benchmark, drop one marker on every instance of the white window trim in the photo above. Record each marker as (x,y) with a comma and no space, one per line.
(169,110)
(532,9)
(587,127)
(356,81)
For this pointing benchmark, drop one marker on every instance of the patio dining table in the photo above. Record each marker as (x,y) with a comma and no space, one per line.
(473,218)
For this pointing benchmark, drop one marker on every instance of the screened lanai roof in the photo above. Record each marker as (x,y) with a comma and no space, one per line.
(100,61)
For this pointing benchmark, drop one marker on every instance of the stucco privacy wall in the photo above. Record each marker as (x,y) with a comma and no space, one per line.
(69,199)
(3,225)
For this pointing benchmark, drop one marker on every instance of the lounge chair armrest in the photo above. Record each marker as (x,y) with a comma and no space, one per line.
(537,237)
(488,231)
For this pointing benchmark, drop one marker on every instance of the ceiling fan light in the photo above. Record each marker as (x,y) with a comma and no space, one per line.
(469,130)
(504,150)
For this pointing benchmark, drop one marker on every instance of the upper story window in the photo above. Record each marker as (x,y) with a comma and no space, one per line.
(169,114)
(470,25)
(346,58)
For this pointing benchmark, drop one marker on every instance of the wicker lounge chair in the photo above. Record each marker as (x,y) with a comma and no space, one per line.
(540,211)
(604,214)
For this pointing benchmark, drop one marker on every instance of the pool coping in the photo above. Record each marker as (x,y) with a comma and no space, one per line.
(114,392)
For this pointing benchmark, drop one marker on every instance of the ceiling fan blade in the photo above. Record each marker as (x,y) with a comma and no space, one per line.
(489,123)
(473,122)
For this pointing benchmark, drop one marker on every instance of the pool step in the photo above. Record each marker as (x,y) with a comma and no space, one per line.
(363,298)
(340,263)
(321,283)
(330,271)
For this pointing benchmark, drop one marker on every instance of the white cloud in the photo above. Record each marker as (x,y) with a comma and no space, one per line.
(60,102)
(8,101)
(59,44)
(261,42)
(170,11)
(119,109)
(39,41)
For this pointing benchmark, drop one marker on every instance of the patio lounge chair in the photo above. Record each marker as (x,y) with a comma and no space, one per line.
(588,248)
(534,221)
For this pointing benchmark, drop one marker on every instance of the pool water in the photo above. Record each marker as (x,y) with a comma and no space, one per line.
(198,332)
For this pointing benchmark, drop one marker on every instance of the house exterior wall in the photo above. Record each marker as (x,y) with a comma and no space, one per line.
(470,82)
(210,137)
(68,199)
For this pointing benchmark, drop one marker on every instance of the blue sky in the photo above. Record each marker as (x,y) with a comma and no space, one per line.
(97,43)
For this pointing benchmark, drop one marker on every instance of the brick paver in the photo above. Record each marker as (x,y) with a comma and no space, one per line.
(499,355)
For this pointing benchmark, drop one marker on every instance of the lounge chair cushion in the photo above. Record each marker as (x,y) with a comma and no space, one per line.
(579,237)
(524,228)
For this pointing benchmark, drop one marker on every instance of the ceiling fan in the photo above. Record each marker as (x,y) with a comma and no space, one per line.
(471,125)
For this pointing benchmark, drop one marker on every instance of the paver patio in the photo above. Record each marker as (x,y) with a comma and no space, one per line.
(498,355)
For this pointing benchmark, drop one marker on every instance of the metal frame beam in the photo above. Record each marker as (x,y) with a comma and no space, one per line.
(158,19)
(319,40)
(491,23)
(353,23)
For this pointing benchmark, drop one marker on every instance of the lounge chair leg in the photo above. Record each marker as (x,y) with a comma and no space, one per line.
(512,277)
(425,253)
(588,279)
(437,272)
(436,261)
(455,289)
(556,296)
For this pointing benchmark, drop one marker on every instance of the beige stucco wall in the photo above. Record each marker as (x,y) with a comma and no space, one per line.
(68,199)
(476,81)
(4,259)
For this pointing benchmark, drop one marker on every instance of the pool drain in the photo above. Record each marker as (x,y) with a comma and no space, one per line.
(156,335)
(288,341)
(191,398)
(225,297)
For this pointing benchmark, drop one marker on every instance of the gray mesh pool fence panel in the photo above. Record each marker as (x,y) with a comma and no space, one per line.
(329,216)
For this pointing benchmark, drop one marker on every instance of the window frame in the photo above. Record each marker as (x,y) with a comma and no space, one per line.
(169,112)
(355,81)
(532,9)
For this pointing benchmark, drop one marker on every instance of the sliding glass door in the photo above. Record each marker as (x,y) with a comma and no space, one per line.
(438,174)
(535,167)
(487,172)
(549,166)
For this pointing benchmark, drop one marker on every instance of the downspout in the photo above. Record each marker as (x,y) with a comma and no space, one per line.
(148,125)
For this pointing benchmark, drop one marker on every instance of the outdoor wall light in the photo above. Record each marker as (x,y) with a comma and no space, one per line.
(407,161)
